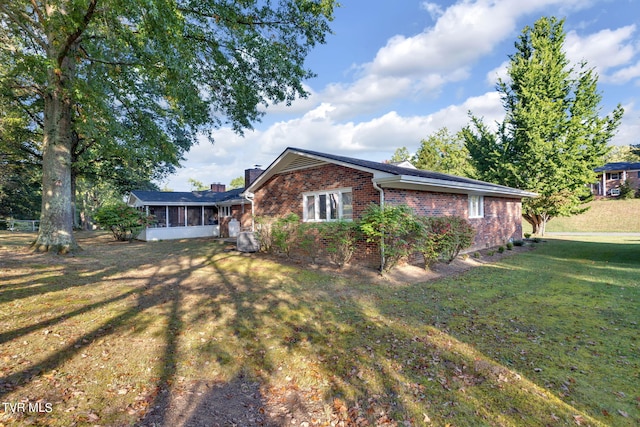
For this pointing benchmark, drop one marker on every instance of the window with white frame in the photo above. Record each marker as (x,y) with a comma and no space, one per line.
(224,211)
(330,205)
(476,206)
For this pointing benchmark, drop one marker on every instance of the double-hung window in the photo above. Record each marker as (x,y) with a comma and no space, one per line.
(330,205)
(476,206)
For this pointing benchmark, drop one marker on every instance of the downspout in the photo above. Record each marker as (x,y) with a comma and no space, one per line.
(382,258)
(249,197)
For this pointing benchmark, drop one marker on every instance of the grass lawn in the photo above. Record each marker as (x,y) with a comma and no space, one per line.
(173,332)
(604,215)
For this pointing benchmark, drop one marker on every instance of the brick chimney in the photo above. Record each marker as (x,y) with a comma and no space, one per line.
(218,188)
(251,175)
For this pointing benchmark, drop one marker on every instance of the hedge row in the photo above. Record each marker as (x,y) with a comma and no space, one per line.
(396,230)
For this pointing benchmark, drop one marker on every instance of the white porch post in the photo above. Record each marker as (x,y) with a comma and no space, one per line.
(624,176)
(603,191)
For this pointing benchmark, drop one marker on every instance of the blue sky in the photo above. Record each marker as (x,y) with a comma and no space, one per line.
(395,71)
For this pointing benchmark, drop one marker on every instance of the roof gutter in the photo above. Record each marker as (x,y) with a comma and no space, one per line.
(381,190)
(249,196)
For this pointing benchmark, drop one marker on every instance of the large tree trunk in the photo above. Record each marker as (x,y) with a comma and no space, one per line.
(536,223)
(56,220)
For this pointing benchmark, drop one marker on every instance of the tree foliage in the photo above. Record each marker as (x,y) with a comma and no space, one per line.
(623,153)
(237,182)
(400,155)
(110,87)
(552,136)
(443,152)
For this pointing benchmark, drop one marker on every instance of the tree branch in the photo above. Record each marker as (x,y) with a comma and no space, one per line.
(26,28)
(76,35)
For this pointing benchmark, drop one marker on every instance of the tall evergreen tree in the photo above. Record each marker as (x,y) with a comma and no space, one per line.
(552,136)
(100,77)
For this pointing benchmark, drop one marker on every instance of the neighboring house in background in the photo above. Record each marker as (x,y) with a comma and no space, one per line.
(209,213)
(612,175)
(324,187)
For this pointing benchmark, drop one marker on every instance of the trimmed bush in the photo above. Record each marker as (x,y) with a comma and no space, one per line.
(452,234)
(307,241)
(263,228)
(340,240)
(124,222)
(284,232)
(394,229)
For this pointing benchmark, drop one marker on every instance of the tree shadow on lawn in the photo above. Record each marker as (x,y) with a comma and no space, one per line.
(230,338)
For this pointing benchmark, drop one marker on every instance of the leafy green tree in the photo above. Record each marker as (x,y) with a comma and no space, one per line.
(400,155)
(237,182)
(623,153)
(552,136)
(139,81)
(444,152)
(197,185)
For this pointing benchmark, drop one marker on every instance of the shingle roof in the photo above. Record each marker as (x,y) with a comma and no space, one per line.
(202,197)
(397,170)
(618,166)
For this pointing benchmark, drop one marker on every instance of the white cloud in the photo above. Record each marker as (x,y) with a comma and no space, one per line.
(434,9)
(604,50)
(629,130)
(625,75)
(500,72)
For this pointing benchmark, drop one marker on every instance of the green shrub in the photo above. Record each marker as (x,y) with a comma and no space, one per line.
(501,249)
(527,235)
(264,228)
(626,191)
(394,229)
(509,246)
(307,240)
(284,231)
(124,222)
(454,234)
(443,237)
(340,240)
(518,243)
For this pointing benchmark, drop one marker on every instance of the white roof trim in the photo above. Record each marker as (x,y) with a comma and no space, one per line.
(420,183)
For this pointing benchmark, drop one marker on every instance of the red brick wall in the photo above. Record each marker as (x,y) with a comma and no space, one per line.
(282,194)
(242,213)
(502,216)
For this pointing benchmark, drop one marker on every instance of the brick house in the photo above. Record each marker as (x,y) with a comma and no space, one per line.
(323,187)
(612,175)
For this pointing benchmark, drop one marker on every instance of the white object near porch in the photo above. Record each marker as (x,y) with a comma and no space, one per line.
(172,233)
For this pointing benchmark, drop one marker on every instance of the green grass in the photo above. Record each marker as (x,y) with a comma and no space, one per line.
(546,337)
(605,215)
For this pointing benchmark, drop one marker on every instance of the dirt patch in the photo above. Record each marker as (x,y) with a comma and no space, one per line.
(411,273)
